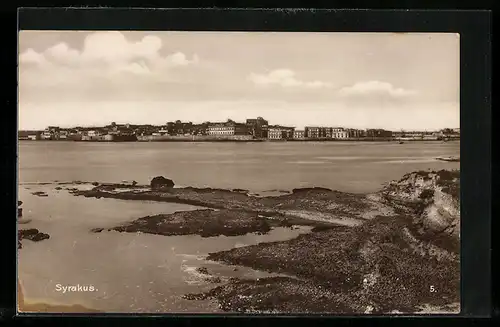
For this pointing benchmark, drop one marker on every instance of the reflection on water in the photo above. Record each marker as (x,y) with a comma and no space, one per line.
(135,272)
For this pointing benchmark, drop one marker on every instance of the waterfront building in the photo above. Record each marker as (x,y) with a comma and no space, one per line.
(339,133)
(47,135)
(179,128)
(430,137)
(355,133)
(451,133)
(50,133)
(258,127)
(316,132)
(93,133)
(313,132)
(299,134)
(63,135)
(229,128)
(280,132)
(29,135)
(398,134)
(200,129)
(378,133)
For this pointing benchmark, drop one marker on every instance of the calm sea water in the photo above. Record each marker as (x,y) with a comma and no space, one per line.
(150,273)
(346,166)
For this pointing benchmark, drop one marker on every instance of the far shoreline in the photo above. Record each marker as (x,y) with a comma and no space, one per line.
(253,141)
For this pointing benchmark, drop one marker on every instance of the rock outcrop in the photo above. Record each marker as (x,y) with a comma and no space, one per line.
(205,222)
(161,183)
(31,234)
(432,199)
(397,262)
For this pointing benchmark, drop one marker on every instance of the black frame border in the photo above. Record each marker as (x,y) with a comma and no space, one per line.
(474,28)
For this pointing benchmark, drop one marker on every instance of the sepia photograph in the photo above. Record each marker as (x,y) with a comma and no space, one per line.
(238,172)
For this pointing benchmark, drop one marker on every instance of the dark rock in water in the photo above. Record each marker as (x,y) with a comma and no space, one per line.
(239,190)
(95,183)
(160,182)
(134,183)
(32,234)
(19,203)
(202,270)
(58,188)
(19,212)
(203,222)
(39,193)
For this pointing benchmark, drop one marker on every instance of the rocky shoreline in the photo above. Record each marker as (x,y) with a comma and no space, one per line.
(31,234)
(308,206)
(392,263)
(395,250)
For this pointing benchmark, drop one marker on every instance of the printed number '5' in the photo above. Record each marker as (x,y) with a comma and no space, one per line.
(432,289)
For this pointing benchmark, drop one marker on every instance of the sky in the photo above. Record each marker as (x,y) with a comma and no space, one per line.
(395,81)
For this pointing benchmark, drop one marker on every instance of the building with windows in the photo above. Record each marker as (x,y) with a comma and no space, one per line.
(280,132)
(339,133)
(314,132)
(355,133)
(258,127)
(299,134)
(93,133)
(50,133)
(378,133)
(229,128)
(325,132)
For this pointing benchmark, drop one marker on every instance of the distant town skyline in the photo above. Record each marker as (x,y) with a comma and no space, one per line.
(356,80)
(98,126)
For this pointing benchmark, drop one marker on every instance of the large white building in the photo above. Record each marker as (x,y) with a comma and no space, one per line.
(279,132)
(229,128)
(339,133)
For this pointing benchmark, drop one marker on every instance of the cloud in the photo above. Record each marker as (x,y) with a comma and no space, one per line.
(109,52)
(374,88)
(284,78)
(30,56)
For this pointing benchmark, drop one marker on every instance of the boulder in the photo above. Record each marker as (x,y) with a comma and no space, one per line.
(32,234)
(160,182)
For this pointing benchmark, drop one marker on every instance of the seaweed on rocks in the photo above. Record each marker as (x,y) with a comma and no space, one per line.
(373,265)
(273,294)
(204,222)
